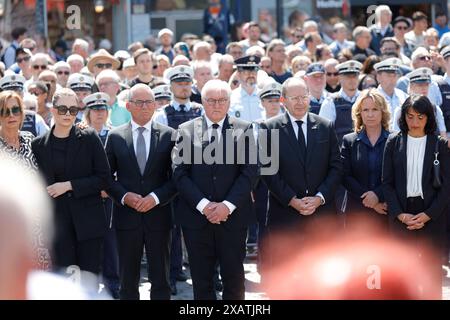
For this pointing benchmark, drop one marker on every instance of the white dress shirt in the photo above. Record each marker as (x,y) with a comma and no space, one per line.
(147,137)
(204,202)
(415,153)
(305,133)
(328,109)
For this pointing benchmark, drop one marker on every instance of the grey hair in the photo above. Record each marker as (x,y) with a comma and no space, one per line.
(82,43)
(201,64)
(380,9)
(136,87)
(293,81)
(216,84)
(107,74)
(226,58)
(359,30)
(309,24)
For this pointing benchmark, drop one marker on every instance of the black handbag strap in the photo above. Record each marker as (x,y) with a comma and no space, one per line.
(436,152)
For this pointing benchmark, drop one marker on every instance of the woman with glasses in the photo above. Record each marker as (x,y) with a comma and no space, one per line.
(417,203)
(17,145)
(40,90)
(74,165)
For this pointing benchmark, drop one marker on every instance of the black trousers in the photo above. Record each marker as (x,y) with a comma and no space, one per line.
(207,245)
(131,244)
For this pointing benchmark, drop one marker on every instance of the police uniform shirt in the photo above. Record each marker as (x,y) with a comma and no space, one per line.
(244,106)
(161,117)
(397,99)
(322,97)
(328,109)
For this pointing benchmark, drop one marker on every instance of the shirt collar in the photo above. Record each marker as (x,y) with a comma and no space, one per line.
(209,123)
(362,135)
(244,93)
(135,126)
(346,97)
(304,118)
(176,105)
(322,97)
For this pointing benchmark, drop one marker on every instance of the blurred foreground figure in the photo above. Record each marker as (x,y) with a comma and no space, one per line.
(24,205)
(355,266)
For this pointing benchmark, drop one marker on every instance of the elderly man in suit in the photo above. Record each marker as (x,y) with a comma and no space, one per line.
(302,190)
(139,154)
(214,177)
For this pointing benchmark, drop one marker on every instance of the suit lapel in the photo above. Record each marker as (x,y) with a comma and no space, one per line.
(72,152)
(402,150)
(311,138)
(154,139)
(129,142)
(46,153)
(428,159)
(288,130)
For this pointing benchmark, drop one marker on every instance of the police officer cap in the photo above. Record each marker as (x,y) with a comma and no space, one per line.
(388,65)
(446,52)
(97,101)
(314,68)
(351,66)
(78,81)
(180,73)
(162,92)
(420,75)
(248,62)
(271,89)
(12,82)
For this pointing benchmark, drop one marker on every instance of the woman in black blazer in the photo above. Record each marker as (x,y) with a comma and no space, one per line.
(74,165)
(362,155)
(416,209)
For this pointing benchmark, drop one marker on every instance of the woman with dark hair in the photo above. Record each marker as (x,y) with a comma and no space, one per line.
(416,202)
(40,89)
(368,64)
(367,81)
(362,156)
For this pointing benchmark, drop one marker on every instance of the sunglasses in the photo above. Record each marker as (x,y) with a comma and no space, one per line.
(63,72)
(334,74)
(20,60)
(15,111)
(423,58)
(104,65)
(62,110)
(37,67)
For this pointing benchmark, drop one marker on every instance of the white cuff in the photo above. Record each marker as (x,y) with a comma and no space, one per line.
(155,197)
(229,205)
(319,194)
(202,204)
(123,199)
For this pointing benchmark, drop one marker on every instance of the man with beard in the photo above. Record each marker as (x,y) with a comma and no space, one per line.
(245,102)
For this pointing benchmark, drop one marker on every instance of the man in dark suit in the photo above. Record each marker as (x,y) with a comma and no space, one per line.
(302,190)
(214,207)
(139,154)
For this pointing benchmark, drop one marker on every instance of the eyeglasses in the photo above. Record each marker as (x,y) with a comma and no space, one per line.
(298,98)
(140,103)
(104,65)
(214,101)
(35,93)
(15,111)
(423,58)
(62,110)
(20,60)
(402,28)
(334,74)
(37,67)
(63,72)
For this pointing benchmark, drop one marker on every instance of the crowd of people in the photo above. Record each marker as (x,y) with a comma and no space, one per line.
(357,129)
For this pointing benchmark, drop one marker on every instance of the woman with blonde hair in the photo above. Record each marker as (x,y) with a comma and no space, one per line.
(16,145)
(362,155)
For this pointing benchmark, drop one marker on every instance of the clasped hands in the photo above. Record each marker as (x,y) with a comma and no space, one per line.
(59,188)
(216,212)
(305,206)
(414,222)
(370,200)
(139,203)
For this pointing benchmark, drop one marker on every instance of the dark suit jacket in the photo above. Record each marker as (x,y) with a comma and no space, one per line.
(88,171)
(375,32)
(156,177)
(320,173)
(394,180)
(217,182)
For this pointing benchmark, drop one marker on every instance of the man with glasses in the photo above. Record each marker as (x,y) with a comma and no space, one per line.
(23,64)
(102,60)
(180,110)
(245,103)
(82,86)
(302,191)
(214,206)
(390,48)
(401,26)
(108,82)
(32,122)
(142,193)
(39,63)
(332,76)
(338,107)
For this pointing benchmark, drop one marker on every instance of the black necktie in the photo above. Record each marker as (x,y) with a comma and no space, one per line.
(182,108)
(301,138)
(214,137)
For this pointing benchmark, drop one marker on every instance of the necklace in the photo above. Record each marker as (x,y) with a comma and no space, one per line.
(14,143)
